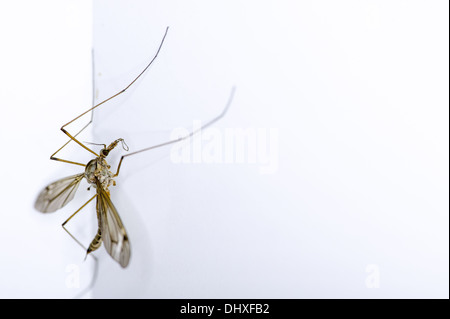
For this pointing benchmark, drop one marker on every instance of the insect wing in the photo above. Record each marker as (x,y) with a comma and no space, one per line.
(113,233)
(58,194)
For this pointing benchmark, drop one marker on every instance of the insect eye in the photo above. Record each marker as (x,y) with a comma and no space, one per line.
(105,152)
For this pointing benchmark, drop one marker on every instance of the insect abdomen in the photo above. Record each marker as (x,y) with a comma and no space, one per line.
(96,242)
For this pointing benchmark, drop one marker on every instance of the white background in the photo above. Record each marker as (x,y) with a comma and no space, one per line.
(357,91)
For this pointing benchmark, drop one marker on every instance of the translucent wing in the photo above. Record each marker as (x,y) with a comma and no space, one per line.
(58,194)
(113,233)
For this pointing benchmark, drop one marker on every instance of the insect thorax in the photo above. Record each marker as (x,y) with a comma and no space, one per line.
(97,171)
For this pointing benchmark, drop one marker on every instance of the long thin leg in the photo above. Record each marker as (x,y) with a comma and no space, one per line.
(110,98)
(52,157)
(94,277)
(63,224)
(90,121)
(230,99)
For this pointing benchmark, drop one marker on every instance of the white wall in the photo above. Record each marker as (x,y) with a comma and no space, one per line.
(356,91)
(45,81)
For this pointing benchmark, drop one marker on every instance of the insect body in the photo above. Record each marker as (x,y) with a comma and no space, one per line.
(111,231)
(110,227)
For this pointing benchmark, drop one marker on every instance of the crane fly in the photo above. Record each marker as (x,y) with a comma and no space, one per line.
(111,231)
(110,227)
